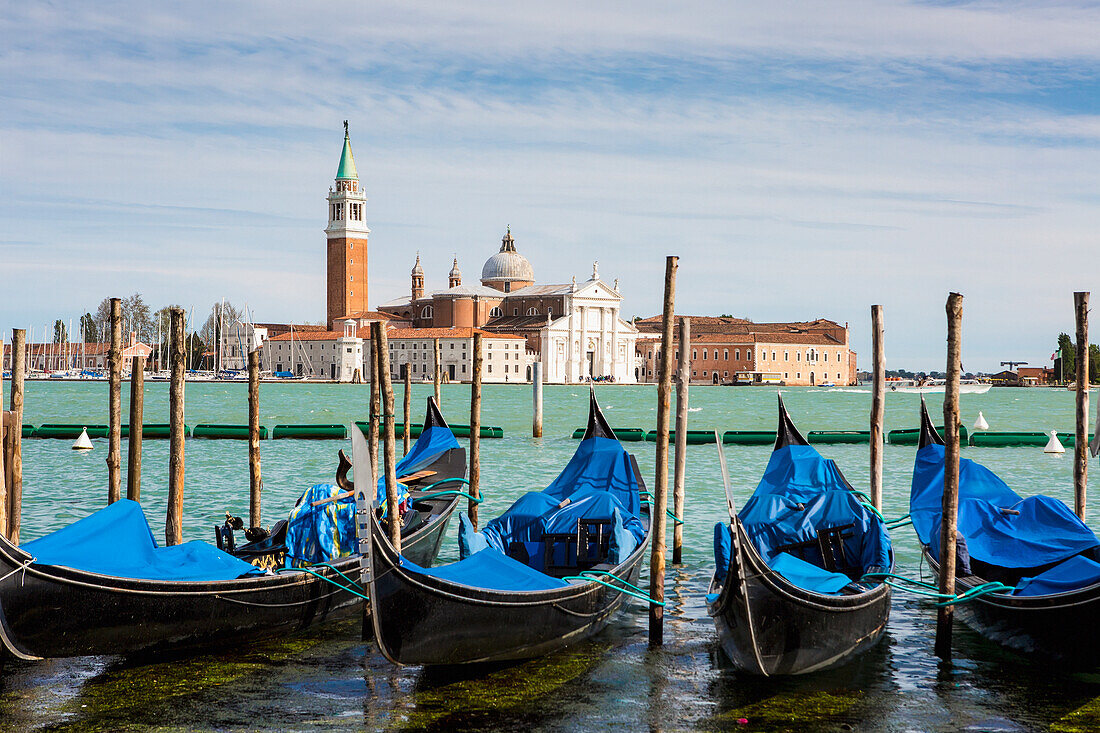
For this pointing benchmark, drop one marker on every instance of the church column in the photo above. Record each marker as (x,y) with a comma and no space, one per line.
(570,335)
(615,342)
(582,342)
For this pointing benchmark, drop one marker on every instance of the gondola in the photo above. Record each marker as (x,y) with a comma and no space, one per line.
(101,586)
(548,572)
(1045,558)
(789,595)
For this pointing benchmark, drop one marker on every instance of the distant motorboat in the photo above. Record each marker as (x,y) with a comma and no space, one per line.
(933,386)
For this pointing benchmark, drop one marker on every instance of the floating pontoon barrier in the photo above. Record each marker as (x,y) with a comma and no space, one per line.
(748,437)
(627,435)
(310,432)
(1003,439)
(911,436)
(72,431)
(838,436)
(694,437)
(487,431)
(460,431)
(398,429)
(226,432)
(28,430)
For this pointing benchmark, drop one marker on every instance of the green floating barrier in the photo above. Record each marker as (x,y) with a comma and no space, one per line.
(226,432)
(487,431)
(693,437)
(310,432)
(398,429)
(838,436)
(72,430)
(1000,439)
(627,435)
(748,437)
(911,436)
(28,430)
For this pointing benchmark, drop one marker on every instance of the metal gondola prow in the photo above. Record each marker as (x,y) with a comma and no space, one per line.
(597,424)
(434,418)
(787,433)
(928,433)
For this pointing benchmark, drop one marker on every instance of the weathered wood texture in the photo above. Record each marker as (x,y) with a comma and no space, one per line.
(173,523)
(683,380)
(388,440)
(133,442)
(950,506)
(406,411)
(114,405)
(255,476)
(536,400)
(1080,447)
(475,430)
(15,433)
(660,487)
(878,403)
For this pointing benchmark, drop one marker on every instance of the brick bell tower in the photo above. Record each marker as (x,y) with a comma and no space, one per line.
(347,241)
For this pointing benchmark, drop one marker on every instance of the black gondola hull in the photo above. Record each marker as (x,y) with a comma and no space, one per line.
(424,620)
(767,626)
(53,611)
(1057,628)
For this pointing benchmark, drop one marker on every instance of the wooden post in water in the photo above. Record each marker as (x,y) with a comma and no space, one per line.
(536,397)
(114,406)
(437,355)
(173,524)
(137,414)
(1080,446)
(388,441)
(878,404)
(255,477)
(950,506)
(373,412)
(683,378)
(406,404)
(3,449)
(15,437)
(475,431)
(660,488)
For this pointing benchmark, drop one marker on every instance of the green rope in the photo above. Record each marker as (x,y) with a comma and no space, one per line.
(451,492)
(327,579)
(670,515)
(899,522)
(447,481)
(635,593)
(931,591)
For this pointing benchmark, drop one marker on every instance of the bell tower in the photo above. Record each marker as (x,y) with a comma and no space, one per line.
(347,241)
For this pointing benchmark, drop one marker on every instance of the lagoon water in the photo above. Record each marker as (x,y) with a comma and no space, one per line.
(328,679)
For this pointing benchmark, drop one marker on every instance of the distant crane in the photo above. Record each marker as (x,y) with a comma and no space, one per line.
(1013,364)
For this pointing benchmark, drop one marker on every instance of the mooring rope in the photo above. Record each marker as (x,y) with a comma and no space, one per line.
(315,574)
(928,590)
(449,492)
(675,519)
(22,567)
(636,592)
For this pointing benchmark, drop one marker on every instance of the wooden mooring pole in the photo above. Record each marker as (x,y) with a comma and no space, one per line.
(475,431)
(173,523)
(388,441)
(255,477)
(683,379)
(3,449)
(15,434)
(137,414)
(1080,447)
(660,488)
(114,406)
(950,506)
(437,356)
(536,399)
(406,404)
(878,404)
(373,412)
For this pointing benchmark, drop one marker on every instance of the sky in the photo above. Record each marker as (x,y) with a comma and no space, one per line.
(803,159)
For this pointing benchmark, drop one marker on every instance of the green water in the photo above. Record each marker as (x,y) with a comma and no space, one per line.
(328,679)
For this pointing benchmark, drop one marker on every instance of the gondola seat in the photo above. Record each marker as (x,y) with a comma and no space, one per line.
(117,541)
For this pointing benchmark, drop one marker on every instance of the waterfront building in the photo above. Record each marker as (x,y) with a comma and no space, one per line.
(59,357)
(504,357)
(575,330)
(346,235)
(728,350)
(318,354)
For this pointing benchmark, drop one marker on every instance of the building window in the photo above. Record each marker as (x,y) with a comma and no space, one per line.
(463,368)
(351,277)
(786,355)
(737,354)
(798,375)
(748,354)
(426,313)
(532,311)
(515,311)
(826,355)
(452,346)
(495,312)
(549,311)
(693,372)
(784,375)
(726,354)
(704,372)
(798,356)
(693,353)
(490,368)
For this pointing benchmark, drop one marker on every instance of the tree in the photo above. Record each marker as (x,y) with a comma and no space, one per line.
(60,332)
(135,317)
(88,328)
(223,315)
(1065,359)
(1094,364)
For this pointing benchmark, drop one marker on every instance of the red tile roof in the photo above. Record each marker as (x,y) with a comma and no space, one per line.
(445,333)
(308,336)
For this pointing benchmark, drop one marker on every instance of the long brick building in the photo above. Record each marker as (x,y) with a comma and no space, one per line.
(728,350)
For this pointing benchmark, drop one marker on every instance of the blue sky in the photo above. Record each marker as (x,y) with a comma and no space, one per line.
(803,159)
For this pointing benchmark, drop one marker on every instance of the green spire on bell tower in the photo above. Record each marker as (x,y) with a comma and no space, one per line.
(347,160)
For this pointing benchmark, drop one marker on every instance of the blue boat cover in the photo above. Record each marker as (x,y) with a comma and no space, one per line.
(490,569)
(600,464)
(807,575)
(723,548)
(800,494)
(1045,530)
(117,541)
(1076,572)
(321,533)
(433,442)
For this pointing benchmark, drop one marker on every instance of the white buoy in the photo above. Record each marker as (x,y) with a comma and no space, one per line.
(980,423)
(1054,445)
(83,442)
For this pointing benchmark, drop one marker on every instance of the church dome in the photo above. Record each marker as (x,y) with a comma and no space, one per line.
(507,265)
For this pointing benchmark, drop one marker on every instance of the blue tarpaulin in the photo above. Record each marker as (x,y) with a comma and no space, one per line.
(1076,572)
(321,533)
(600,464)
(490,569)
(433,442)
(800,495)
(117,541)
(1044,531)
